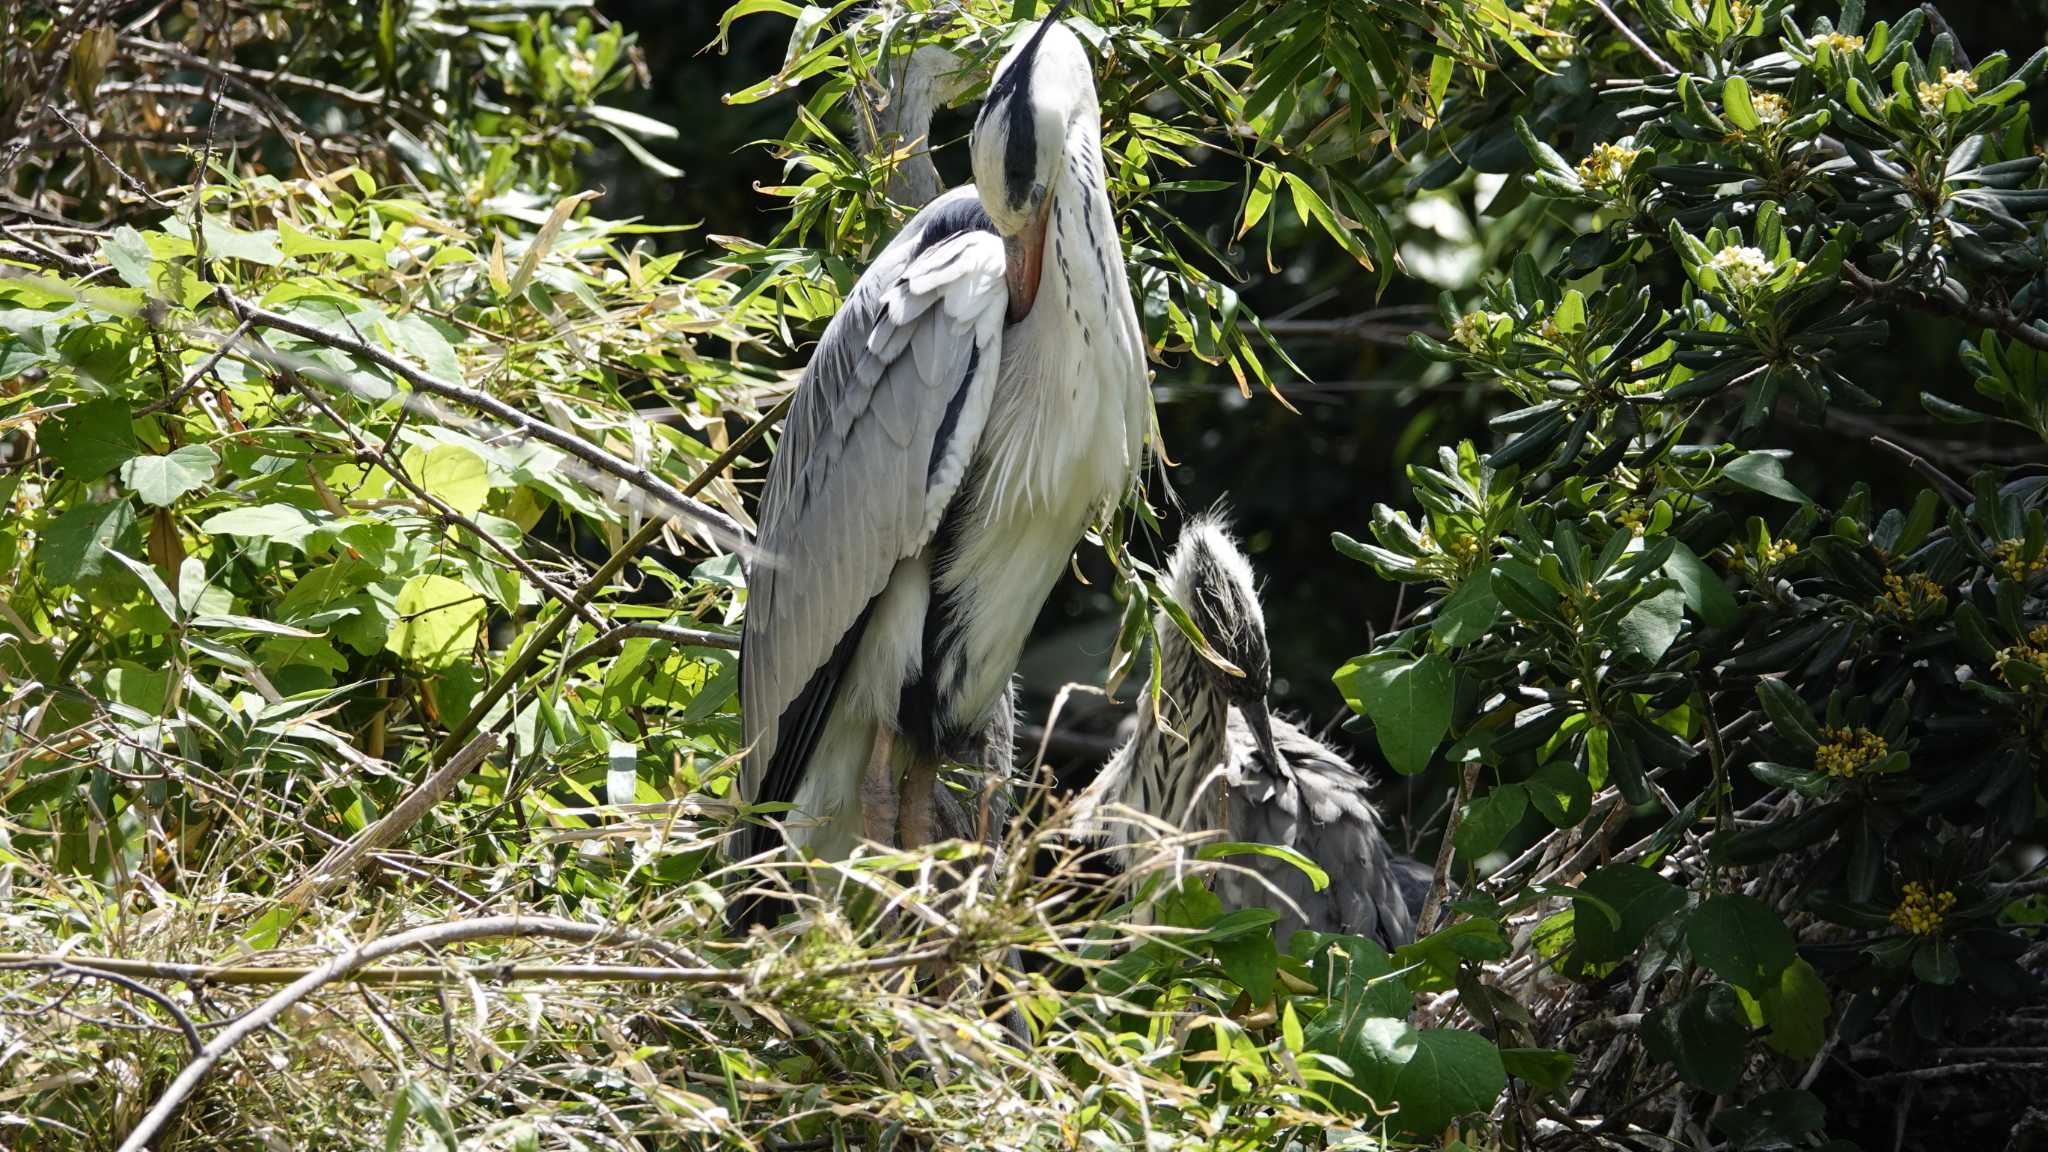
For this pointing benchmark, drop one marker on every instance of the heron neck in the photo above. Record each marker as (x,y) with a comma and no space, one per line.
(1178,745)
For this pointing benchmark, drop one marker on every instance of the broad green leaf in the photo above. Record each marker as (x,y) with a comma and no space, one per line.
(437,621)
(75,545)
(1638,896)
(1408,701)
(1435,1075)
(160,480)
(91,439)
(131,257)
(1736,103)
(1709,599)
(1650,627)
(1797,1010)
(1781,1119)
(1560,791)
(1544,1069)
(452,473)
(1250,961)
(1489,819)
(286,524)
(1468,612)
(1761,472)
(1742,941)
(1702,1037)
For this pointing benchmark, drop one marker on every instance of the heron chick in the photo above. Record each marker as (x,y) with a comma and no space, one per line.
(1221,763)
(978,400)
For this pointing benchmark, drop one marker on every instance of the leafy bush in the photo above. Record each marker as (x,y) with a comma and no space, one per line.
(373,589)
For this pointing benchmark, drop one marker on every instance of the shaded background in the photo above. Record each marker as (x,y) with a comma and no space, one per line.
(1367,410)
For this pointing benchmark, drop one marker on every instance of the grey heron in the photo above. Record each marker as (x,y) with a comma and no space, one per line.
(1221,762)
(978,399)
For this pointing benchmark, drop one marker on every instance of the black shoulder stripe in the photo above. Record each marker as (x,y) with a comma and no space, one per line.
(798,729)
(949,218)
(952,416)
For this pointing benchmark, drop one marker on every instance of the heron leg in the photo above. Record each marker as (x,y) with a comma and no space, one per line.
(918,781)
(878,800)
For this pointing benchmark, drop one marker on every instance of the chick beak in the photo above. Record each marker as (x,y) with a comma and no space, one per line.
(1261,723)
(1025,256)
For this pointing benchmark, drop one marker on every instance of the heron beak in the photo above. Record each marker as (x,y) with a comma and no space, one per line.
(1025,254)
(1261,723)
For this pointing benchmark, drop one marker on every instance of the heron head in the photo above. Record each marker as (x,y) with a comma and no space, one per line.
(1020,137)
(1211,578)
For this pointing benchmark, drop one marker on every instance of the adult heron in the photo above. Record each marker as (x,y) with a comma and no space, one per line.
(1227,765)
(978,399)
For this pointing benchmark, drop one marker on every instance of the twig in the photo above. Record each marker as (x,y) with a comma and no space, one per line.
(621,633)
(350,963)
(342,863)
(544,636)
(1950,488)
(74,966)
(1629,34)
(1426,923)
(674,501)
(1994,318)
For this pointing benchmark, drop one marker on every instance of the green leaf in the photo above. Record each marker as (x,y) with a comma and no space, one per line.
(1651,626)
(1708,598)
(1934,961)
(1489,819)
(437,621)
(1761,472)
(1250,962)
(1560,791)
(91,439)
(1317,878)
(1780,1119)
(1435,1075)
(1797,1010)
(282,523)
(1790,718)
(131,257)
(429,1108)
(160,480)
(1259,199)
(1638,896)
(1408,701)
(151,583)
(1736,103)
(1702,1037)
(1546,1070)
(1742,941)
(1468,612)
(452,473)
(75,545)
(1570,316)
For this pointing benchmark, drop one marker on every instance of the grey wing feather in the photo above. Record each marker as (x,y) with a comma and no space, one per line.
(1317,804)
(872,450)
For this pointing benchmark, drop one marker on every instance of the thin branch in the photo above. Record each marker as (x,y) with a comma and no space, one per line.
(619,634)
(353,961)
(1440,884)
(342,863)
(1951,489)
(1994,318)
(674,501)
(1629,34)
(74,966)
(544,636)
